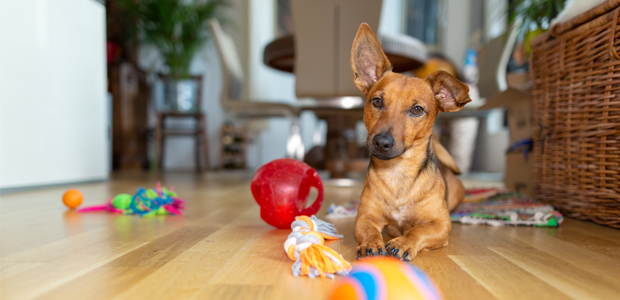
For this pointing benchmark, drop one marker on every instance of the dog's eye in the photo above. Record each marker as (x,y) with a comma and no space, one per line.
(377,102)
(417,110)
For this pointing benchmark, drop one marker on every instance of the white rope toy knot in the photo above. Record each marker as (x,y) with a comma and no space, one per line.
(312,223)
(305,246)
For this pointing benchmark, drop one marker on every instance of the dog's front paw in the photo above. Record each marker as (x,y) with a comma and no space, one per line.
(370,249)
(402,248)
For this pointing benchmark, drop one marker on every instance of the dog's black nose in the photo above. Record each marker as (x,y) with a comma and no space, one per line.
(383,142)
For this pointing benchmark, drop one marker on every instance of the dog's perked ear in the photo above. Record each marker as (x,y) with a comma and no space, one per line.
(368,61)
(450,93)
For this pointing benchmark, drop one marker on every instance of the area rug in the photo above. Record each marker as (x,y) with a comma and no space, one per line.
(347,210)
(477,195)
(492,207)
(507,209)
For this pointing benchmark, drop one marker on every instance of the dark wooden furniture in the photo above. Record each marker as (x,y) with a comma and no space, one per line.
(234,142)
(279,54)
(341,153)
(130,103)
(198,132)
(341,150)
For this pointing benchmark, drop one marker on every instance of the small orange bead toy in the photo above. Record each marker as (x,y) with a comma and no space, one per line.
(72,198)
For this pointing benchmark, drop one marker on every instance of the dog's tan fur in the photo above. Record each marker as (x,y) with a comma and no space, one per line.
(405,188)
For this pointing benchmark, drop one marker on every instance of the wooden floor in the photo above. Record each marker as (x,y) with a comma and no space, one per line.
(221,249)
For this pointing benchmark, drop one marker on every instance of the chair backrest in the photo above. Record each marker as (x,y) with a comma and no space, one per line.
(494,61)
(231,64)
(324,33)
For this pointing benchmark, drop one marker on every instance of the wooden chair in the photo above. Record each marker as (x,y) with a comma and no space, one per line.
(232,87)
(199,132)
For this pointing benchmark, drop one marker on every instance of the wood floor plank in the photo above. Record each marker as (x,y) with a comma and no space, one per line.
(498,275)
(452,279)
(91,243)
(565,277)
(259,262)
(221,249)
(190,273)
(346,246)
(302,288)
(38,280)
(592,243)
(41,226)
(591,229)
(125,271)
(580,257)
(165,249)
(465,241)
(476,240)
(236,292)
(9,269)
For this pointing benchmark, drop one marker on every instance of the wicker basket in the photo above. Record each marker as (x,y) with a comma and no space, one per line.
(576,72)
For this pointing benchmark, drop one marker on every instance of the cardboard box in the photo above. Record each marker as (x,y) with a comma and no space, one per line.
(521,118)
(520,106)
(519,80)
(519,173)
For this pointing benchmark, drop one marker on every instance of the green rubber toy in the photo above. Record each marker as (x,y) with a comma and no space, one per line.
(122,201)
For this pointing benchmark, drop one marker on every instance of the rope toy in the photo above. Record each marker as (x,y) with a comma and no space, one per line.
(145,203)
(327,230)
(305,247)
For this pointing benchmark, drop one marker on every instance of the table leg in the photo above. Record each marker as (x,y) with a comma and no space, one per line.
(341,144)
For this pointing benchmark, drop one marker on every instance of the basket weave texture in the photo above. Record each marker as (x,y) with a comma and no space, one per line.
(575,69)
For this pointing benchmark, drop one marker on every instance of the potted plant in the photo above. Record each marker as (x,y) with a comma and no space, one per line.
(536,16)
(178,30)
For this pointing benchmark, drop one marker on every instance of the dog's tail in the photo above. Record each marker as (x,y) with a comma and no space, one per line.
(444,156)
(455,191)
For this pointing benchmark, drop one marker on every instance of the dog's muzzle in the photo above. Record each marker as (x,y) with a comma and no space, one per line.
(382,147)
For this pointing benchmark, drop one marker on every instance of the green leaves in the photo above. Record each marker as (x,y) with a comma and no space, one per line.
(538,12)
(178,28)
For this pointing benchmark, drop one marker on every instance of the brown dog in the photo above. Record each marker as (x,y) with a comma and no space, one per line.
(405,189)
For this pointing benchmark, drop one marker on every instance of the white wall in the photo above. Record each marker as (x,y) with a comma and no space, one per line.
(495,17)
(53,109)
(392,17)
(455,36)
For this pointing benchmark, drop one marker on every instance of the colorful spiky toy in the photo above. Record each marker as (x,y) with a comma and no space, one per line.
(305,246)
(145,203)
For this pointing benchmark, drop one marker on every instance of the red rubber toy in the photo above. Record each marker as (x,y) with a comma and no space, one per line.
(281,188)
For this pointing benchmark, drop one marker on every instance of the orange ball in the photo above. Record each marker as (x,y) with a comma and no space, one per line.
(72,198)
(386,278)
